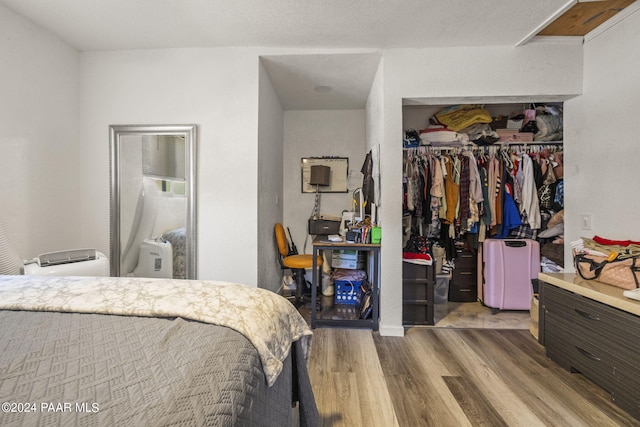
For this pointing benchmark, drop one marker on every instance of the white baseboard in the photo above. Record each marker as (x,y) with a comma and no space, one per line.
(391,331)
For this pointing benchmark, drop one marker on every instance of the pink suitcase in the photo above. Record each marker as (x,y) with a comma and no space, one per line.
(509,265)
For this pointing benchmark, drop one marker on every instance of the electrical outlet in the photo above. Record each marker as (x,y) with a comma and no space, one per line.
(585,221)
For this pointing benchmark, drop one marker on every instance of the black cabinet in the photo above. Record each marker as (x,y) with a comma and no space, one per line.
(418,286)
(595,339)
(463,286)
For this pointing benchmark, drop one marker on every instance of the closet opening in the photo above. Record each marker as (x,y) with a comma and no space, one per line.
(484,196)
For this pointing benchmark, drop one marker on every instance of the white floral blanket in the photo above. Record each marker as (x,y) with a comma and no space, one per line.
(269,321)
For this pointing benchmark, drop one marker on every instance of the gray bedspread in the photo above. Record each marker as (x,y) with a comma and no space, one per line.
(270,322)
(96,369)
(150,352)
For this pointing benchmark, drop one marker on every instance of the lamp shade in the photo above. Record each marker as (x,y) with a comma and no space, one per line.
(320,175)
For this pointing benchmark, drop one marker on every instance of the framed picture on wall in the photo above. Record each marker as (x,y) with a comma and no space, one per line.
(339,170)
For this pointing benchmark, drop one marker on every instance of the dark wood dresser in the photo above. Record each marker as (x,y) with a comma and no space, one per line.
(591,328)
(463,286)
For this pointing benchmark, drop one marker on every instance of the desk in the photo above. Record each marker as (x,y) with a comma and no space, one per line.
(320,244)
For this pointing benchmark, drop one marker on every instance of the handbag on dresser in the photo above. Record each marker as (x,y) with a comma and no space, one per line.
(618,270)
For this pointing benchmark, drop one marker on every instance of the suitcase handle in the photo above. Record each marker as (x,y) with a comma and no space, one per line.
(515,243)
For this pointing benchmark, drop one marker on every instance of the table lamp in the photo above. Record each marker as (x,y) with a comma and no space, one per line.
(320,175)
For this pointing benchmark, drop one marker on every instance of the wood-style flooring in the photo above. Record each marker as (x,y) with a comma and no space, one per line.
(450,377)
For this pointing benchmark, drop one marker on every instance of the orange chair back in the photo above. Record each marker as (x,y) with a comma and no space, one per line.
(281,239)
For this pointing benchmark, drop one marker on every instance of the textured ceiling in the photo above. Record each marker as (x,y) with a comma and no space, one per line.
(89,25)
(142,24)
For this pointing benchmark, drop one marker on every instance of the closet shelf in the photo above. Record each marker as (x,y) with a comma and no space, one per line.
(485,147)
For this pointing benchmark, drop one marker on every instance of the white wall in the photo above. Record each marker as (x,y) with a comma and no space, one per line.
(374,110)
(217,89)
(39,159)
(602,139)
(270,189)
(319,133)
(458,74)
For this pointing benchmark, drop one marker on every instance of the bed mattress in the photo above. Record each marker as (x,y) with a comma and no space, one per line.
(60,367)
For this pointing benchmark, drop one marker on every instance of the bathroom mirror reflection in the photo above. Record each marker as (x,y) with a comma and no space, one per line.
(153,215)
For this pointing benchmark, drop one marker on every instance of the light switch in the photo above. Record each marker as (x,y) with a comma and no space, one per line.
(585,221)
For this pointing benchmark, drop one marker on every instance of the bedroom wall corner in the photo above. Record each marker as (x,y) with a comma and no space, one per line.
(39,156)
(270,180)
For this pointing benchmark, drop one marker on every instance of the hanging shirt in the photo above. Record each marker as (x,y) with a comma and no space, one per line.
(451,191)
(475,183)
(367,182)
(465,181)
(486,206)
(529,203)
(409,185)
(437,185)
(494,187)
(510,216)
(442,212)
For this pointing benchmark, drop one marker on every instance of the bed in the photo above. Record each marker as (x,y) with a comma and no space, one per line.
(158,352)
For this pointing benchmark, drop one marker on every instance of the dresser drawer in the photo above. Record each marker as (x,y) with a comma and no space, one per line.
(464,274)
(464,277)
(610,323)
(417,314)
(416,272)
(417,291)
(576,353)
(465,260)
(462,292)
(624,363)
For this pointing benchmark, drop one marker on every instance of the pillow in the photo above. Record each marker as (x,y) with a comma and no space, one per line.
(554,231)
(10,262)
(556,219)
(549,128)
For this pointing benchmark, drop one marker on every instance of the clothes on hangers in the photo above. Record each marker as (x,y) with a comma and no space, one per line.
(529,201)
(492,191)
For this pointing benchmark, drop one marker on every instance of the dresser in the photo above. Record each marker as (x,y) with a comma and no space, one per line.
(591,328)
(418,294)
(463,286)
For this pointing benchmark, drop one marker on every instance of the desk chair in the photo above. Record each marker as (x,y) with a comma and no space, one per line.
(290,259)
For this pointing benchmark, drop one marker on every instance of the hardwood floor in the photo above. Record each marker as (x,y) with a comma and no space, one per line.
(450,377)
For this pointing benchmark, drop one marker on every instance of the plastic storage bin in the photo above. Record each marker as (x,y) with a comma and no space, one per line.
(347,291)
(441,291)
